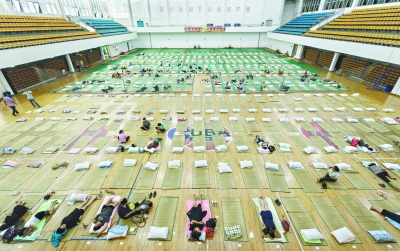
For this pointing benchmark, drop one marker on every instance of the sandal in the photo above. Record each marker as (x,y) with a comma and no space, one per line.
(110,192)
(278,202)
(382,185)
(100,195)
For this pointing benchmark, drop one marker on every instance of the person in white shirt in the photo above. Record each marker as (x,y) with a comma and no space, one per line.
(31,99)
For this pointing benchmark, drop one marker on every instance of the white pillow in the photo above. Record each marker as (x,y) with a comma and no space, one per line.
(235,110)
(130,162)
(284,120)
(55,118)
(224,169)
(337,120)
(112,235)
(266,119)
(296,165)
(331,94)
(250,119)
(312,109)
(298,109)
(151,150)
(221,148)
(183,95)
(82,166)
(112,149)
(214,119)
(232,119)
(370,109)
(282,109)
(91,150)
(200,163)
(195,111)
(286,145)
(242,148)
(150,118)
(245,163)
(174,163)
(253,110)
(312,233)
(342,235)
(341,109)
(387,110)
(300,119)
(223,110)
(357,109)
(309,150)
(177,149)
(319,165)
(330,149)
(343,166)
(211,111)
(355,94)
(316,119)
(198,118)
(271,166)
(386,147)
(395,167)
(369,120)
(151,166)
(196,95)
(350,149)
(104,163)
(133,150)
(328,109)
(163,111)
(208,95)
(158,233)
(267,110)
(199,149)
(352,120)
(343,95)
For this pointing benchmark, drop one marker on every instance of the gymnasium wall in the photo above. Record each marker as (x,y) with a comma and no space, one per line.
(289,11)
(188,40)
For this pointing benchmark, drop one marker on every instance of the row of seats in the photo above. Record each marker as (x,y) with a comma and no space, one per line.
(47,36)
(10,45)
(367,23)
(355,39)
(30,17)
(377,8)
(362,27)
(301,24)
(106,27)
(367,19)
(41,21)
(38,24)
(383,75)
(358,34)
(9,30)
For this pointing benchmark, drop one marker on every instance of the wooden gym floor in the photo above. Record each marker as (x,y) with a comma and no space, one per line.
(44,96)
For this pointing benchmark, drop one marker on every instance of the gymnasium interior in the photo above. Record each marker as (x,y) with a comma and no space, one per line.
(256,100)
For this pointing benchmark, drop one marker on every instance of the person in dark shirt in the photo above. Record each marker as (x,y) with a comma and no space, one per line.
(196,215)
(145,125)
(125,212)
(19,210)
(101,219)
(75,216)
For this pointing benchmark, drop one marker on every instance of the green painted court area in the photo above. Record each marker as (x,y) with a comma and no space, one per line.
(176,64)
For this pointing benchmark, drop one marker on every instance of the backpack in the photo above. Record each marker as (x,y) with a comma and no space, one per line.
(285,224)
(211,223)
(146,206)
(271,148)
(9,235)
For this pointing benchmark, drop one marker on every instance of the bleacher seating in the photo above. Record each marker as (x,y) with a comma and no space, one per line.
(106,27)
(372,25)
(21,31)
(303,23)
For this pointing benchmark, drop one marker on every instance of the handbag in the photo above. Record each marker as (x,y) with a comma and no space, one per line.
(139,221)
(209,233)
(211,223)
(285,224)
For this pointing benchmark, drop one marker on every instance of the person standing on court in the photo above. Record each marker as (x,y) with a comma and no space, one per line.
(31,98)
(10,102)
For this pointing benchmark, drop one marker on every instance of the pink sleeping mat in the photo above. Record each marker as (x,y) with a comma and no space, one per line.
(115,199)
(205,206)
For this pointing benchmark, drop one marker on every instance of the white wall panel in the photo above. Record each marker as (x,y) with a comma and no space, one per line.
(289,11)
(253,12)
(116,49)
(234,11)
(158,12)
(196,11)
(216,12)
(140,10)
(177,12)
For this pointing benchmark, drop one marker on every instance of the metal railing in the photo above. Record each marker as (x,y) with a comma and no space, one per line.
(201,25)
(328,19)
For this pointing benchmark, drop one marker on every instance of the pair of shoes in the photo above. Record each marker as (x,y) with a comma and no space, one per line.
(384,195)
(214,203)
(100,195)
(153,194)
(278,202)
(324,186)
(133,145)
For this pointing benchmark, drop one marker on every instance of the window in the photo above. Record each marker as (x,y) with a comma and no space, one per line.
(66,10)
(372,2)
(37,8)
(48,8)
(31,7)
(310,5)
(337,4)
(16,5)
(53,8)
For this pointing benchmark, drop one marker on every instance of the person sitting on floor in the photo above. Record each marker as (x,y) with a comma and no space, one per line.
(145,125)
(73,219)
(156,76)
(30,226)
(196,216)
(386,213)
(166,87)
(332,175)
(154,144)
(125,212)
(142,89)
(267,71)
(284,87)
(263,87)
(270,230)
(339,86)
(240,87)
(160,127)
(156,88)
(228,86)
(305,74)
(18,212)
(122,137)
(118,75)
(101,219)
(281,70)
(383,174)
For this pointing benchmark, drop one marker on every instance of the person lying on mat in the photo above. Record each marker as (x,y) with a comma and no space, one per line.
(154,144)
(30,226)
(332,175)
(19,210)
(101,219)
(122,137)
(284,87)
(145,125)
(261,142)
(270,230)
(125,212)
(196,215)
(386,213)
(228,86)
(383,175)
(156,88)
(73,219)
(160,127)
(240,87)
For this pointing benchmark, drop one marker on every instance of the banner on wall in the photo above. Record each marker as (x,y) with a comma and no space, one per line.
(204,29)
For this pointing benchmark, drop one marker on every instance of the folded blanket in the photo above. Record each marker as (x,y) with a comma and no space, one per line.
(51,150)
